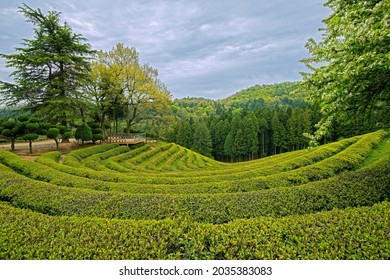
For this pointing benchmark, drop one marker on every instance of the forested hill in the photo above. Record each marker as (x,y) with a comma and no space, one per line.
(261,95)
(255,122)
(252,98)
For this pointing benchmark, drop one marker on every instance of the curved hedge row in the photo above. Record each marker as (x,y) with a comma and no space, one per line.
(356,188)
(271,167)
(75,157)
(95,161)
(176,204)
(353,233)
(345,160)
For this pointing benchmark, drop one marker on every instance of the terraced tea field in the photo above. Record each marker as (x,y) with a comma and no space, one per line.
(162,201)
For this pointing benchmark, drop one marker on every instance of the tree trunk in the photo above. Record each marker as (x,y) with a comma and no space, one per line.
(103,126)
(116,126)
(263,143)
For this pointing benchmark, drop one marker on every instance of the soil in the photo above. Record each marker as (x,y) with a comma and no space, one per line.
(41,147)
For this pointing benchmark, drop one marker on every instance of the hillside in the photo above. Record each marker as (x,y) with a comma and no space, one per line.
(163,201)
(271,94)
(252,98)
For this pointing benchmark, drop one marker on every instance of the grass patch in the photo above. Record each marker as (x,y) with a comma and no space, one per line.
(382,150)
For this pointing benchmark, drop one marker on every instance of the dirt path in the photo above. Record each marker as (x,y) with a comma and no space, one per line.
(39,147)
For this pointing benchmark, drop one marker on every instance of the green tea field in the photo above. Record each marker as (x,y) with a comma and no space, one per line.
(163,201)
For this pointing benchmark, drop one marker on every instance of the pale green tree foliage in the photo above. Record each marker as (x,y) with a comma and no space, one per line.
(350,68)
(119,81)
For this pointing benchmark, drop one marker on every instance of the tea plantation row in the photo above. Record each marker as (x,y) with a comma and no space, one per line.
(162,201)
(353,233)
(309,171)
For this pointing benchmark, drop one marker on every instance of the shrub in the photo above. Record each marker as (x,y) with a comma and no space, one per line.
(355,188)
(83,133)
(353,233)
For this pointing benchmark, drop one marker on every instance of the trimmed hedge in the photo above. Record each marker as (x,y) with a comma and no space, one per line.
(356,188)
(353,233)
(75,157)
(347,159)
(192,217)
(139,177)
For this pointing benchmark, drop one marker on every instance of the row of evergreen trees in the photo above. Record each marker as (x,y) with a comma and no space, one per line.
(238,135)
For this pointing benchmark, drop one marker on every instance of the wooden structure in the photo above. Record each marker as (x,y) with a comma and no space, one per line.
(127,139)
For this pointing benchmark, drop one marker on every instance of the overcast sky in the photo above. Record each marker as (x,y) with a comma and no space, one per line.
(201,48)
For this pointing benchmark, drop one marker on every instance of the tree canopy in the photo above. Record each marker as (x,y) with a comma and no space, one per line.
(58,78)
(119,81)
(48,68)
(349,70)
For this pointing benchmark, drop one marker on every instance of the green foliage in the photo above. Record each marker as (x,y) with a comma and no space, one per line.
(284,171)
(53,133)
(23,118)
(349,69)
(66,135)
(184,134)
(11,130)
(83,133)
(30,137)
(250,99)
(329,202)
(123,88)
(48,69)
(96,132)
(202,140)
(356,188)
(273,208)
(354,233)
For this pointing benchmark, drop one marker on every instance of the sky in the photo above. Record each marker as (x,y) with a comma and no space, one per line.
(201,48)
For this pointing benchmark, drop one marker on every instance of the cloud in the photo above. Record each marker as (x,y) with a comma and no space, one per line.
(201,48)
(8,11)
(85,25)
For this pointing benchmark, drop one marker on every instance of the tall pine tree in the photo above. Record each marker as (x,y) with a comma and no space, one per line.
(49,69)
(202,139)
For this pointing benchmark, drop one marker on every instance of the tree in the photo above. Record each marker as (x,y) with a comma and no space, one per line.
(350,68)
(145,95)
(228,147)
(65,133)
(96,132)
(250,130)
(306,125)
(32,129)
(239,147)
(83,133)
(219,131)
(293,130)
(118,80)
(232,143)
(202,139)
(54,133)
(30,137)
(49,69)
(278,133)
(263,129)
(184,135)
(12,129)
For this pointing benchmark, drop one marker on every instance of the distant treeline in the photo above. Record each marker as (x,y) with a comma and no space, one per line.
(238,135)
(253,123)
